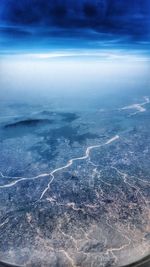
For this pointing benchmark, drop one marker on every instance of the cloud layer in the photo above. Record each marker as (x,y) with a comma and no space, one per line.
(62,19)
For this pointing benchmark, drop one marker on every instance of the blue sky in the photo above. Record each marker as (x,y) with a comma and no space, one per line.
(96,45)
(44,25)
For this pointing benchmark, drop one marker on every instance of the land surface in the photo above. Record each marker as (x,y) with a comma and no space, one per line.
(74,185)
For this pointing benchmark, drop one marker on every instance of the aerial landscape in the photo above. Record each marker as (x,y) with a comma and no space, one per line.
(74,133)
